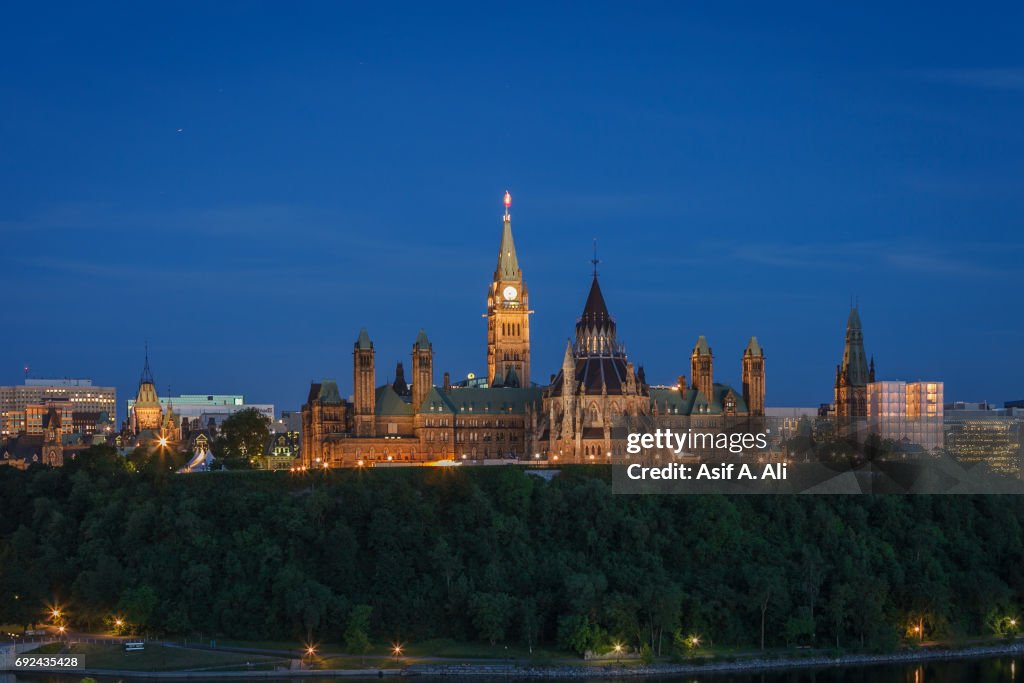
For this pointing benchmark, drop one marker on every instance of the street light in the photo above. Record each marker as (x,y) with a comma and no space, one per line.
(396,649)
(618,652)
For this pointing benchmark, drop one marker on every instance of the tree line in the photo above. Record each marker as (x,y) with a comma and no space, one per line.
(497,555)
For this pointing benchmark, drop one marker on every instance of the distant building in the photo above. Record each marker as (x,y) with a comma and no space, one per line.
(980,433)
(45,448)
(148,420)
(854,373)
(79,394)
(282,451)
(204,407)
(909,412)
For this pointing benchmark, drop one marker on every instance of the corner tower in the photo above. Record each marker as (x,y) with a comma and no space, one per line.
(508,312)
(364,382)
(422,369)
(701,368)
(753,377)
(853,375)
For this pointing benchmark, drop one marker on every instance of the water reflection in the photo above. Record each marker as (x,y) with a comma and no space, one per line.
(995,670)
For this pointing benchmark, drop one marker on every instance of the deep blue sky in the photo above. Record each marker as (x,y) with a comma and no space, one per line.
(247,184)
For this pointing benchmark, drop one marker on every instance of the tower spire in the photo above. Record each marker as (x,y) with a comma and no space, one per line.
(595,260)
(508,262)
(147,374)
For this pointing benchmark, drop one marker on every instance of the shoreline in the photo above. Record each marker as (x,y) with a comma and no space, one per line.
(753,665)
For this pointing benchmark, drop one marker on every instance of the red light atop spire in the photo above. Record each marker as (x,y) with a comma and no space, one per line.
(508,199)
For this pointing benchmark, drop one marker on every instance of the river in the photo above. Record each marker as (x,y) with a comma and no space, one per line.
(987,670)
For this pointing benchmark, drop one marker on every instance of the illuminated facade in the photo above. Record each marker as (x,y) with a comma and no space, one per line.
(395,423)
(83,398)
(573,419)
(146,413)
(908,412)
(994,442)
(508,316)
(598,387)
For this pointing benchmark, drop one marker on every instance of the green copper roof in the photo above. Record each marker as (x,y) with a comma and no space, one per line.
(508,263)
(502,400)
(364,340)
(421,341)
(329,391)
(753,348)
(390,403)
(702,348)
(512,378)
(693,402)
(499,380)
(436,402)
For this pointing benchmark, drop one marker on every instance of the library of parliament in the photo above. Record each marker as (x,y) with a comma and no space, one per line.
(506,416)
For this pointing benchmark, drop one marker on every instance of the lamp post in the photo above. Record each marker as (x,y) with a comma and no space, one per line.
(310,652)
(618,653)
(396,650)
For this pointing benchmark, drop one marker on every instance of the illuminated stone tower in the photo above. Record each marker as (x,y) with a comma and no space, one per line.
(146,411)
(422,369)
(853,375)
(508,314)
(753,377)
(701,368)
(364,381)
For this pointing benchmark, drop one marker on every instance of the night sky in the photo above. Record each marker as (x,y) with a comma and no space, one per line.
(246,185)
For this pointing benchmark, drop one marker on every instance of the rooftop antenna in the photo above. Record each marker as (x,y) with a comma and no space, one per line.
(26,370)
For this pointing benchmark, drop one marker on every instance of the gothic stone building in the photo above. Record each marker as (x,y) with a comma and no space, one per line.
(573,419)
(597,385)
(854,373)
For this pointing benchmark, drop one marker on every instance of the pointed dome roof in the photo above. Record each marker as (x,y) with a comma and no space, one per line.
(853,322)
(753,348)
(702,348)
(595,329)
(512,378)
(421,341)
(363,342)
(595,311)
(508,262)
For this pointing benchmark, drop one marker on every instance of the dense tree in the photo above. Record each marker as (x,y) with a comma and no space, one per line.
(497,555)
(242,438)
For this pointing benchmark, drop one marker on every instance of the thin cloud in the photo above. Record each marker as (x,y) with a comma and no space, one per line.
(1000,78)
(970,259)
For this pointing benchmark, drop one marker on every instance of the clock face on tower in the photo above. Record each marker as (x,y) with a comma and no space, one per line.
(509,293)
